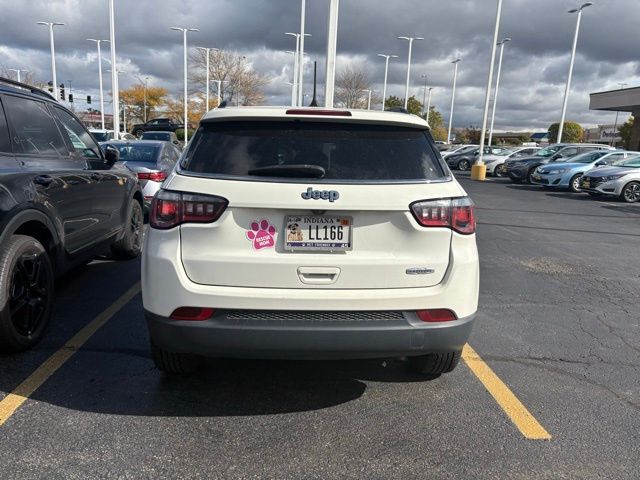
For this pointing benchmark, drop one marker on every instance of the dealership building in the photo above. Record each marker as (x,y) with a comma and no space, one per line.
(621,100)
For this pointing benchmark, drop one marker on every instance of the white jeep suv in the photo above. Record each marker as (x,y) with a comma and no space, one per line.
(310,233)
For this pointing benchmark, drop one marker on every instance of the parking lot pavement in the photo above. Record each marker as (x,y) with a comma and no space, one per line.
(558,324)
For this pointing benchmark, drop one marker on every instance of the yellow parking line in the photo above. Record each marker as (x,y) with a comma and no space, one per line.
(515,410)
(12,402)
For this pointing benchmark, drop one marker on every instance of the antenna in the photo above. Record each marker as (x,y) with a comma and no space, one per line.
(314,102)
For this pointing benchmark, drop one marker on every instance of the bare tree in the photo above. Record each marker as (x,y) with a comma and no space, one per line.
(351,85)
(240,83)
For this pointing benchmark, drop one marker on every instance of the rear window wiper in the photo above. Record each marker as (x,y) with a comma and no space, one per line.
(294,171)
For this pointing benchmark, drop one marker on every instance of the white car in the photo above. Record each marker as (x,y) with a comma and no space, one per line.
(621,180)
(105,135)
(496,163)
(310,233)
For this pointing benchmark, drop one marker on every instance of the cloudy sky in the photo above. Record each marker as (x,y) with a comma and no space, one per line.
(535,64)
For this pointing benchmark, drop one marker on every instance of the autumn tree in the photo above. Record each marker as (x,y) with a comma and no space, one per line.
(414,105)
(436,122)
(240,83)
(134,98)
(174,108)
(572,132)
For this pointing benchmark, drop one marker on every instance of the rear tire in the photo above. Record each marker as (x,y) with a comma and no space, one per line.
(435,364)
(174,363)
(631,192)
(500,170)
(26,293)
(130,245)
(574,183)
(463,165)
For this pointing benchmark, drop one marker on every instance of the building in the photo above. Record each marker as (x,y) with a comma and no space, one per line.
(605,134)
(94,120)
(621,100)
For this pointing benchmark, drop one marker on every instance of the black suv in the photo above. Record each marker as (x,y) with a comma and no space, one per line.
(156,125)
(62,203)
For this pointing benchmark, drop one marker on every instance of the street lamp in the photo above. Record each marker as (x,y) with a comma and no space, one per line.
(368,90)
(406,91)
(424,94)
(144,96)
(296,60)
(53,56)
(207,51)
(17,70)
(495,96)
(301,52)
(219,83)
(115,95)
(332,43)
(573,57)
(184,31)
(386,71)
(615,125)
(453,96)
(98,42)
(293,84)
(475,173)
(428,105)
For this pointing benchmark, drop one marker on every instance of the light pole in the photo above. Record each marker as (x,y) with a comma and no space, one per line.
(219,83)
(573,57)
(293,84)
(475,175)
(424,94)
(303,4)
(495,95)
(296,60)
(429,105)
(332,43)
(98,42)
(453,96)
(184,31)
(368,90)
(207,51)
(386,72)
(53,56)
(615,125)
(17,70)
(115,95)
(406,91)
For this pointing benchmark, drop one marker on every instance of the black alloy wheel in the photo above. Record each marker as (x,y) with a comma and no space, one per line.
(130,245)
(631,192)
(464,165)
(26,293)
(530,174)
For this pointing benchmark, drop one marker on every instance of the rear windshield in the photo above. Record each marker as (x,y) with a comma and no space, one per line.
(317,150)
(155,136)
(138,153)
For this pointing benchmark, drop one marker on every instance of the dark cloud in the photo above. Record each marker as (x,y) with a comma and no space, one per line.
(534,71)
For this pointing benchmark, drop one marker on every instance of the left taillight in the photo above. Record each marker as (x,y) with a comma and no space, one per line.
(454,213)
(170,209)
(153,176)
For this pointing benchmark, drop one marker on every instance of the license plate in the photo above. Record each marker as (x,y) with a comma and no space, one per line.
(318,232)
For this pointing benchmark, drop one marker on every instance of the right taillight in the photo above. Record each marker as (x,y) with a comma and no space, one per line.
(454,213)
(170,209)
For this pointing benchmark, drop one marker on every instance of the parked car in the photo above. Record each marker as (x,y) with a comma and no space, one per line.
(61,204)
(105,135)
(458,149)
(151,160)
(161,136)
(464,160)
(567,175)
(271,239)
(496,162)
(521,170)
(621,180)
(156,125)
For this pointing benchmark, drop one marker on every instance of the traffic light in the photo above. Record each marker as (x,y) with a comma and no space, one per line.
(71,98)
(88,99)
(62,91)
(50,88)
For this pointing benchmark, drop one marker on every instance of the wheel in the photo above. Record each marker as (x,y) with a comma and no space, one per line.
(175,363)
(500,170)
(26,293)
(463,165)
(574,183)
(530,174)
(130,244)
(435,363)
(631,192)
(137,133)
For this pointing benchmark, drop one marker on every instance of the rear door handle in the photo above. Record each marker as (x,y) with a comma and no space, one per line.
(44,180)
(318,275)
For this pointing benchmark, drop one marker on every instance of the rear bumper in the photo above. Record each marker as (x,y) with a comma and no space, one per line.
(221,336)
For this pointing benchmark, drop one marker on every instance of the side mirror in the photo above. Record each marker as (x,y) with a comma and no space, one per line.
(601,163)
(111,155)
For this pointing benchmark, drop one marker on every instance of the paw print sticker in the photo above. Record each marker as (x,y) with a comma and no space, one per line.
(261,234)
